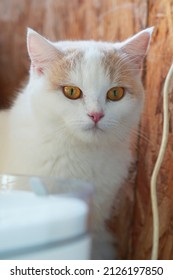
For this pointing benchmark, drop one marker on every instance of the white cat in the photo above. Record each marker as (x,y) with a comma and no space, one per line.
(75,117)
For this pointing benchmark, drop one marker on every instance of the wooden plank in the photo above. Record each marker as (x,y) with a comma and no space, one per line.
(158,63)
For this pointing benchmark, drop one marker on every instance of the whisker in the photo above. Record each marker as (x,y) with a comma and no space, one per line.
(135,132)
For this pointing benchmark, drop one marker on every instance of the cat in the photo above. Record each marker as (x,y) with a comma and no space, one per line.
(75,117)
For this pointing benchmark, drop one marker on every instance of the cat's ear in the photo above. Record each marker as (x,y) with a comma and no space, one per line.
(137,46)
(41,51)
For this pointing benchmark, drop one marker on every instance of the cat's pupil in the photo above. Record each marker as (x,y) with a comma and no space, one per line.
(71,91)
(115,92)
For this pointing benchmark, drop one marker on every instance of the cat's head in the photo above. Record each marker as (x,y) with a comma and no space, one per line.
(90,89)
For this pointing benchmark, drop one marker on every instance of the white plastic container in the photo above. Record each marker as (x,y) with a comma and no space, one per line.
(44,218)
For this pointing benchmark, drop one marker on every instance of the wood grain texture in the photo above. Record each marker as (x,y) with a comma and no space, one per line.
(111,20)
(159,60)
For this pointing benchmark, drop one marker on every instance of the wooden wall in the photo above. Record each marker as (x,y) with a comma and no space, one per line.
(158,62)
(110,20)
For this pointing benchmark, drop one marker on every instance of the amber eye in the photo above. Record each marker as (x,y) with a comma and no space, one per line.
(115,93)
(72,92)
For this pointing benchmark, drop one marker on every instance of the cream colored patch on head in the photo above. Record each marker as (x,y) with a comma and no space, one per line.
(59,70)
(121,71)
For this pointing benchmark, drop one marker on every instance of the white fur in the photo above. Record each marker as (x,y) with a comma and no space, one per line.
(44,133)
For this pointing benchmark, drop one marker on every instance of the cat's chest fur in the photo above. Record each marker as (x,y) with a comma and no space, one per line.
(101,164)
(98,164)
(37,153)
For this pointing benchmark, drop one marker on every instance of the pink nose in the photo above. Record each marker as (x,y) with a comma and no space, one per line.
(96,116)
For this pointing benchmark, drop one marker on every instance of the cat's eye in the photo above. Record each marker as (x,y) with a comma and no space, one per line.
(72,92)
(115,93)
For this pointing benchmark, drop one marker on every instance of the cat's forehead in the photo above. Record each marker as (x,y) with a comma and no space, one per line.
(86,63)
(87,51)
(90,55)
